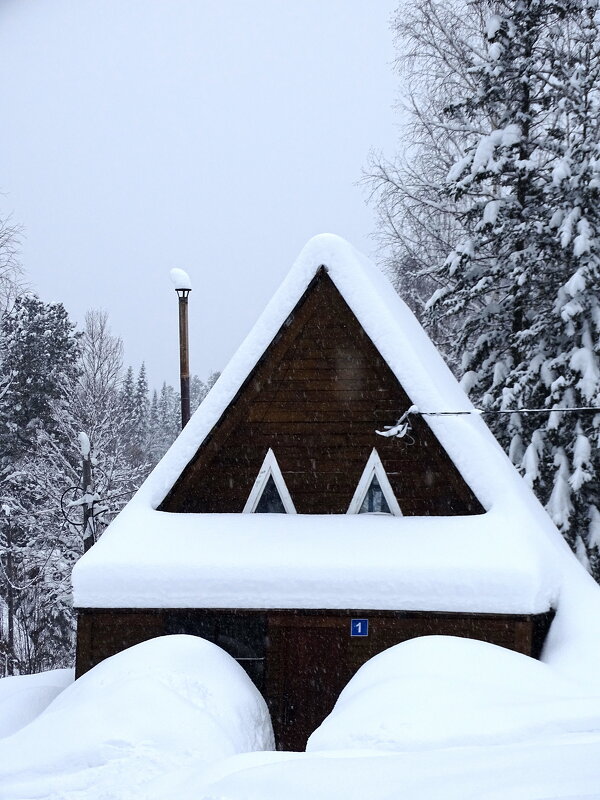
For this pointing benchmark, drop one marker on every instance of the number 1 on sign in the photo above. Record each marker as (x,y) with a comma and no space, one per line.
(359,627)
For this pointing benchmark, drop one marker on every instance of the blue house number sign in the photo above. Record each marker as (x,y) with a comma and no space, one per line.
(359,627)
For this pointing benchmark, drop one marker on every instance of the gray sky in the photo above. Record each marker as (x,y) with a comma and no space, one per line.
(213,135)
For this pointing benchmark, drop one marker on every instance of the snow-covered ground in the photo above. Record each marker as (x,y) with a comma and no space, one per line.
(436,717)
(24,697)
(546,770)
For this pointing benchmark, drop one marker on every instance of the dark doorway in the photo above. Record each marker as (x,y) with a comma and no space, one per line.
(306,672)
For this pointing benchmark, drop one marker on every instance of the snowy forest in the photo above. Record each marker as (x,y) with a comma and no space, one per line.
(65,396)
(488,219)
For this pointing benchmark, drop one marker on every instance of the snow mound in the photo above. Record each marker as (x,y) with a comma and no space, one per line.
(146,711)
(24,697)
(440,691)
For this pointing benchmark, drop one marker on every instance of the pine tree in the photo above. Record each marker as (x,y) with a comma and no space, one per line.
(165,414)
(569,376)
(39,352)
(169,419)
(154,435)
(199,389)
(524,280)
(134,411)
(141,412)
(127,413)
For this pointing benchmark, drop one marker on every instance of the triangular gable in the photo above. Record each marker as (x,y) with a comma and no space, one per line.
(396,334)
(513,556)
(317,396)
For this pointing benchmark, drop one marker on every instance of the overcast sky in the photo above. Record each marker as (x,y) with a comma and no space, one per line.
(213,135)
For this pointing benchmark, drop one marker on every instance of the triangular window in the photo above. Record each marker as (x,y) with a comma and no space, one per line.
(270,501)
(374,502)
(374,493)
(269,494)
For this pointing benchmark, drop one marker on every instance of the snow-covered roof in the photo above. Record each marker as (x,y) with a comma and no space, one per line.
(508,560)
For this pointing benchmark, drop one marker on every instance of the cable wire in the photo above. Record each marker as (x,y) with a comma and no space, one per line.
(480,411)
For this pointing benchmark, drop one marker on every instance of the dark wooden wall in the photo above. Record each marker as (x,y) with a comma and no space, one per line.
(317,397)
(299,659)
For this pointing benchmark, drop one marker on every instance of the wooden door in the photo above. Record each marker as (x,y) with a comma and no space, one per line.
(306,671)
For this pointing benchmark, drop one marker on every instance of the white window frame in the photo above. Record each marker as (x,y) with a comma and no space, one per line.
(374,467)
(270,468)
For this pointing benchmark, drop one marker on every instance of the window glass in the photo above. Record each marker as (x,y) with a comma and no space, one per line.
(270,501)
(374,502)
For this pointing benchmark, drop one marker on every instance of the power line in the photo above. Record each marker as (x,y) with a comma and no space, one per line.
(480,411)
(402,427)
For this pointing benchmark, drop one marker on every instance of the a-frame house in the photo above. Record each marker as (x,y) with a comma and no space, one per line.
(285,527)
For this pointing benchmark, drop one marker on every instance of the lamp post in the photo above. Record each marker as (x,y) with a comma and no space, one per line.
(183,287)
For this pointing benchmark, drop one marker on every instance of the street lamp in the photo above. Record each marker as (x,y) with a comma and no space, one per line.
(183,287)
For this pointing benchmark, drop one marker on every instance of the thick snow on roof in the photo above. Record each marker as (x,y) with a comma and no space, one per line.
(297,561)
(510,559)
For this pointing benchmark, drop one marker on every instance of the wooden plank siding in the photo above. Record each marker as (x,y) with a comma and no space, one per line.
(317,397)
(300,660)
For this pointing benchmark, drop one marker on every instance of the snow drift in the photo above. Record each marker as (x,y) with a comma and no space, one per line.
(141,713)
(443,691)
(24,697)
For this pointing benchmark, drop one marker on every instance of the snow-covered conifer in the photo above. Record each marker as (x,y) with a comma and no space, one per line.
(39,366)
(524,279)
